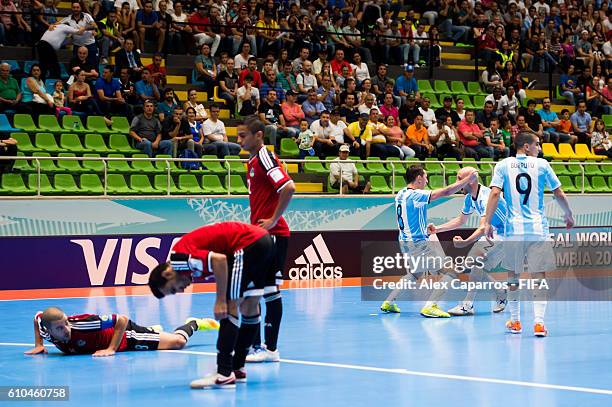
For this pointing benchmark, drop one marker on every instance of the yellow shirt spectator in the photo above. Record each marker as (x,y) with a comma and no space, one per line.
(365,134)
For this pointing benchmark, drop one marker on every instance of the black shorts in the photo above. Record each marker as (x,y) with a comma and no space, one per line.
(250,268)
(141,338)
(281,244)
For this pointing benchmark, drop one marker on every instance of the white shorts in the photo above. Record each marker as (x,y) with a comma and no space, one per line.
(493,252)
(428,255)
(537,253)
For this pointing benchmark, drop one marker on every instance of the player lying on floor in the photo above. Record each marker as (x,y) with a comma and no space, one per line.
(103,335)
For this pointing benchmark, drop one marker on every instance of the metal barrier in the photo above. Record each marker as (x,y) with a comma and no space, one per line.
(390,164)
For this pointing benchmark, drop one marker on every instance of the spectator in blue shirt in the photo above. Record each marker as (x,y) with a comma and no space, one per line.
(110,99)
(406,85)
(551,121)
(146,88)
(569,86)
(149,26)
(581,123)
(312,107)
(271,84)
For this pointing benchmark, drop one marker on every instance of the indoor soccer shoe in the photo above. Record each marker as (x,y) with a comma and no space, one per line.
(500,302)
(389,307)
(204,324)
(514,327)
(540,330)
(433,311)
(241,376)
(461,310)
(215,381)
(263,355)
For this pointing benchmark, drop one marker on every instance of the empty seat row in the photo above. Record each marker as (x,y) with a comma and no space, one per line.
(73,124)
(70,142)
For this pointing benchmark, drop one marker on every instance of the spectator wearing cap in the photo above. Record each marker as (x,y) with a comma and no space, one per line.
(325,144)
(313,107)
(417,138)
(292,111)
(343,173)
(429,117)
(472,138)
(359,135)
(447,110)
(408,112)
(407,84)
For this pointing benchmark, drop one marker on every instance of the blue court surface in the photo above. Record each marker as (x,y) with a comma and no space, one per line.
(336,350)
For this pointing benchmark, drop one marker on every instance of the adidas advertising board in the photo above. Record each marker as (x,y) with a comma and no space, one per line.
(316,263)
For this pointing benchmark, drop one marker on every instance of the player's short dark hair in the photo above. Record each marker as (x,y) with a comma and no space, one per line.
(531,102)
(524,138)
(157,281)
(413,172)
(253,124)
(564,110)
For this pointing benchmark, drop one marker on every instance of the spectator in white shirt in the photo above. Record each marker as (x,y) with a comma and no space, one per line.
(360,69)
(214,130)
(429,117)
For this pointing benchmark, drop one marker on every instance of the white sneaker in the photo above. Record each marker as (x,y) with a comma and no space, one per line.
(215,381)
(263,355)
(461,310)
(500,302)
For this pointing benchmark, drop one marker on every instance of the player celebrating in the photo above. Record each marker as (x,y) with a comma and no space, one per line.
(476,197)
(522,180)
(240,257)
(270,191)
(103,335)
(411,209)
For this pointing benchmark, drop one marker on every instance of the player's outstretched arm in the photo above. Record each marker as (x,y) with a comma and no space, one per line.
(284,197)
(454,187)
(39,346)
(450,225)
(459,242)
(120,326)
(219,268)
(564,204)
(491,208)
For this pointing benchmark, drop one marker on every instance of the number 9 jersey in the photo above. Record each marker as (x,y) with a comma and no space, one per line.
(523,180)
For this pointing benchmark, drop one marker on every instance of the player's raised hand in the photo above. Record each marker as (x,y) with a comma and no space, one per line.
(220,310)
(569,221)
(431,229)
(103,353)
(36,350)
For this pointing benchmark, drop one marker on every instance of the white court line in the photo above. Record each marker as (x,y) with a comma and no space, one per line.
(404,372)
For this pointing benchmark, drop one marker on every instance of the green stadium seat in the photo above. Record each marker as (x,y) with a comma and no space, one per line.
(65,185)
(116,185)
(436,181)
(574,169)
(160,166)
(91,184)
(486,180)
(23,165)
(45,184)
(235,184)
(212,185)
(141,184)
(46,142)
(160,183)
(189,185)
(474,88)
(400,182)
(120,125)
(486,165)
(330,188)
(118,166)
(606,168)
(379,185)
(72,143)
(592,169)
(49,123)
(289,148)
(71,166)
(598,184)
(95,143)
(73,124)
(567,184)
(467,101)
(144,166)
(376,168)
(214,167)
(97,124)
(328,161)
(120,143)
(45,165)
(560,168)
(93,165)
(433,100)
(25,123)
(458,88)
(24,143)
(235,166)
(12,184)
(607,118)
(315,167)
(441,86)
(451,169)
(433,168)
(479,101)
(587,185)
(397,167)
(425,86)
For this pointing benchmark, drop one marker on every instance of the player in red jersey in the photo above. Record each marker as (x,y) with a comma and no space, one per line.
(240,257)
(270,191)
(103,335)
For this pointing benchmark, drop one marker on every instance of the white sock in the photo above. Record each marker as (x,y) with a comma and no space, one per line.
(514,306)
(539,309)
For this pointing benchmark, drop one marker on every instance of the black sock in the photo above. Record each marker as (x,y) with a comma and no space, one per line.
(257,338)
(247,330)
(274,314)
(187,330)
(228,333)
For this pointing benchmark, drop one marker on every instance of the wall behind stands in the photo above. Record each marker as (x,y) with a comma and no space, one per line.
(93,243)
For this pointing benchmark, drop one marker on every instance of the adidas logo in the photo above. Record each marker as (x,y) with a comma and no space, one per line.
(317,263)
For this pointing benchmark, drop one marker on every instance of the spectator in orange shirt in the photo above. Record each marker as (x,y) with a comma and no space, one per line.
(417,138)
(565,125)
(472,138)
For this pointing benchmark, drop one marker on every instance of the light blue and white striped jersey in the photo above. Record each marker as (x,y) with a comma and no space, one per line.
(411,211)
(479,205)
(523,179)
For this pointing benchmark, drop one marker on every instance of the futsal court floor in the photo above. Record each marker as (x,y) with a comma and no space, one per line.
(335,350)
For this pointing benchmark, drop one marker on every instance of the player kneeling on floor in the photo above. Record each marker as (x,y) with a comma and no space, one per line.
(104,335)
(240,257)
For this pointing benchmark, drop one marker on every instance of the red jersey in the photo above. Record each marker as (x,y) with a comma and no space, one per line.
(88,334)
(224,238)
(153,69)
(265,179)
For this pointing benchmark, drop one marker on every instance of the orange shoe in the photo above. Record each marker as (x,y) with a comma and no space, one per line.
(514,327)
(540,330)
